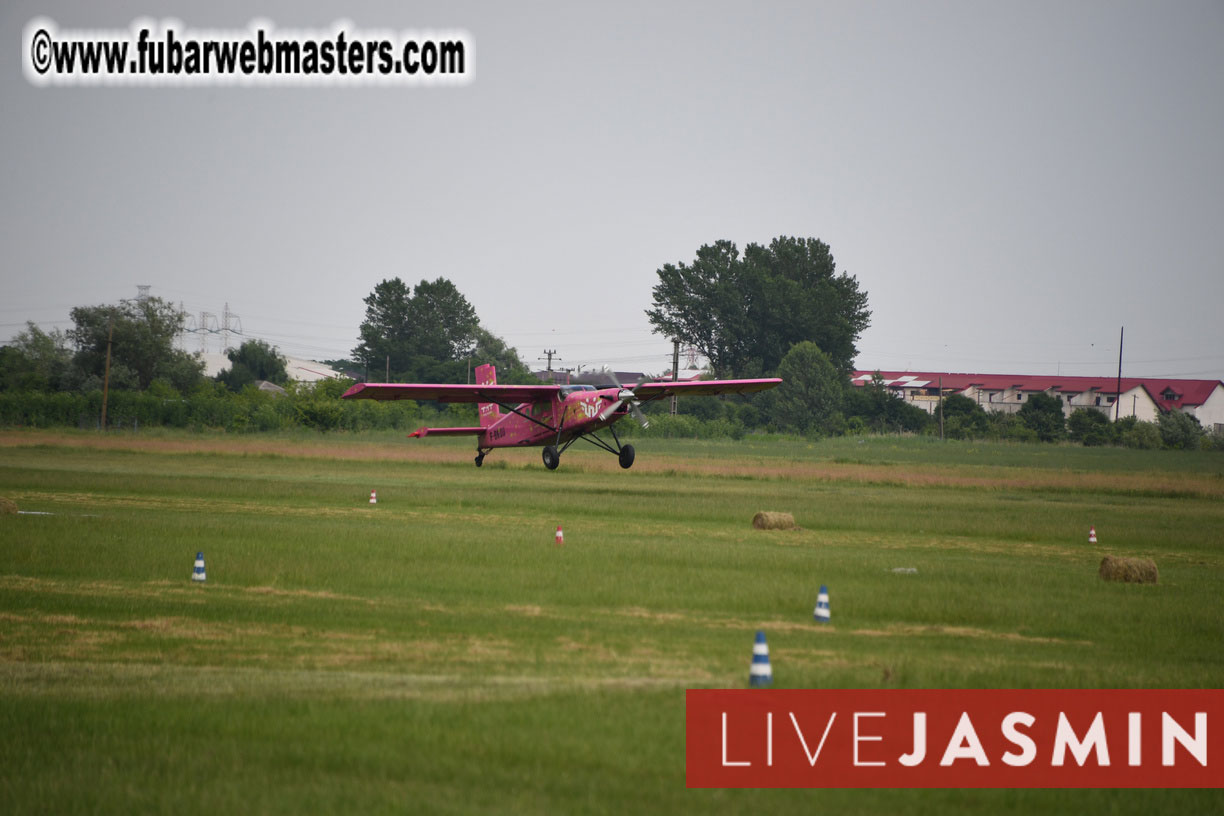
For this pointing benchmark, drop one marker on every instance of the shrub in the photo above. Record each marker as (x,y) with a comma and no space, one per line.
(1179,431)
(1141,435)
(1089,426)
(1043,414)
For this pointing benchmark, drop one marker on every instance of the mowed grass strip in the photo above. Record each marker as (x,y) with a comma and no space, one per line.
(438,649)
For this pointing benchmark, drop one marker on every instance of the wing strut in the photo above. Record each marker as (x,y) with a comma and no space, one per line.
(514,410)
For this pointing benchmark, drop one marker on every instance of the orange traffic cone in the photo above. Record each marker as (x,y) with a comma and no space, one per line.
(560,536)
(1092,535)
(373,497)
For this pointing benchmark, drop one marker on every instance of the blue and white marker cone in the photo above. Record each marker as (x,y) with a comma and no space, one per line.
(761,673)
(198,575)
(822,605)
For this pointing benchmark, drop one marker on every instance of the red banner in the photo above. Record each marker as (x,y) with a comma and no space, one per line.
(955,738)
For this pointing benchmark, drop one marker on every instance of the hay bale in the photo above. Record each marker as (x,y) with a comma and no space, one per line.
(1130,570)
(766,520)
(8,507)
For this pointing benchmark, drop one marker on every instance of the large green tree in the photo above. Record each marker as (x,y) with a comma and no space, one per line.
(745,313)
(492,349)
(252,361)
(811,393)
(386,332)
(35,360)
(429,333)
(142,334)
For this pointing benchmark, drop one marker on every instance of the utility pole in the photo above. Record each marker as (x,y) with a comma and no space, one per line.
(1118,398)
(110,335)
(941,409)
(551,353)
(388,379)
(675,371)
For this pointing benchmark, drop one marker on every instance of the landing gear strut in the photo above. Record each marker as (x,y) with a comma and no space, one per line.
(480,455)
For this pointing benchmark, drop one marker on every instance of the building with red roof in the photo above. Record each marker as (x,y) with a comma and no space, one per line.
(1142,397)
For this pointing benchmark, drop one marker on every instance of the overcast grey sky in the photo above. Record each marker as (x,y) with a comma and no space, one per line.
(1009,182)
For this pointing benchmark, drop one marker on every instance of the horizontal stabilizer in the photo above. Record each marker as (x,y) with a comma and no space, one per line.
(419,432)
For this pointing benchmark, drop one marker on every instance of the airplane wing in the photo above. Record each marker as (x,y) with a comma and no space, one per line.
(505,394)
(703,388)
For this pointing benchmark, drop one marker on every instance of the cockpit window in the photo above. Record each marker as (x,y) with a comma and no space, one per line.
(566,390)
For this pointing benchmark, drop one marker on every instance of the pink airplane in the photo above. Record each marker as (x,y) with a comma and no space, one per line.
(554,416)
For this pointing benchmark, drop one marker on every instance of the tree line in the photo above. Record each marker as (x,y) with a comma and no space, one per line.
(123,356)
(781,309)
(821,404)
(785,310)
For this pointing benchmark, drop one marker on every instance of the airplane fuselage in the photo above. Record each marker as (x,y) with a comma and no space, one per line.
(560,419)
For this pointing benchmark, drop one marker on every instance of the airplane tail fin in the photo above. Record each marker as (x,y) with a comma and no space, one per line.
(489,412)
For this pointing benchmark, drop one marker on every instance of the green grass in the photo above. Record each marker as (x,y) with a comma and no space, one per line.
(437,653)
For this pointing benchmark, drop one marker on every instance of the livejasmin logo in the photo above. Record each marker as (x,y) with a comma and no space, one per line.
(953,738)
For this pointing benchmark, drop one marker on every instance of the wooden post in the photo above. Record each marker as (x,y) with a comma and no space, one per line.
(675,370)
(110,334)
(941,409)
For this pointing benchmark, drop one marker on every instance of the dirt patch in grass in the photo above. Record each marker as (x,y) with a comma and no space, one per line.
(589,650)
(190,640)
(68,620)
(165,589)
(179,628)
(304,593)
(649,614)
(99,681)
(802,625)
(479,650)
(991,477)
(910,630)
(988,547)
(185,504)
(327,448)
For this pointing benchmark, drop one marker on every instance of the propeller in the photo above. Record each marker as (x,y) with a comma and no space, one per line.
(623,396)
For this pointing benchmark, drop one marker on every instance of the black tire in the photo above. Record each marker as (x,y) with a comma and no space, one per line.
(626,457)
(479,460)
(551,457)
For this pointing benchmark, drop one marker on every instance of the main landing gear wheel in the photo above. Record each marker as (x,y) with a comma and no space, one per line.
(551,457)
(479,459)
(626,456)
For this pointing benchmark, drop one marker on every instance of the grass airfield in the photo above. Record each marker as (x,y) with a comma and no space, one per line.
(438,653)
